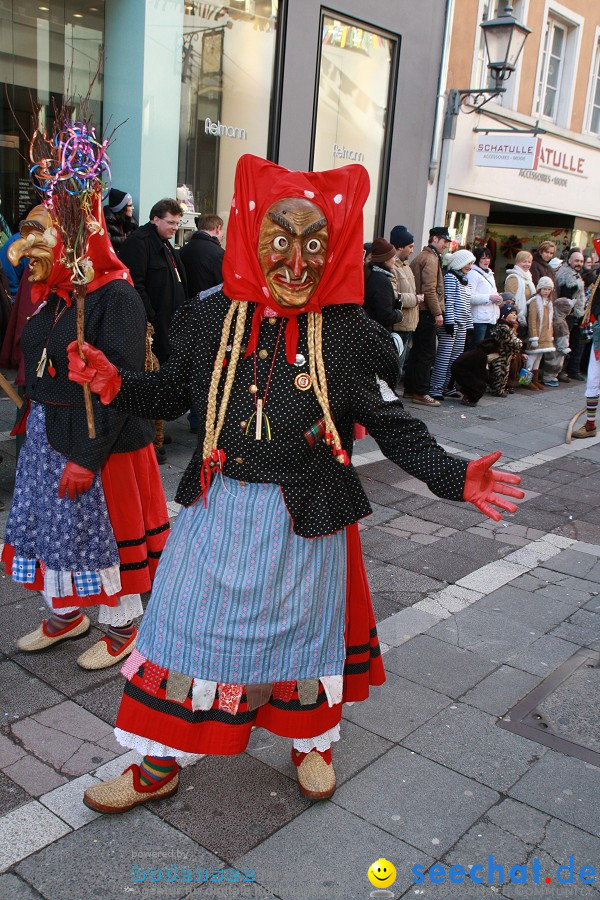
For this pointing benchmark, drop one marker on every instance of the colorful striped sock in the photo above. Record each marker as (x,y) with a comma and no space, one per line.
(57,621)
(155,768)
(119,636)
(591,406)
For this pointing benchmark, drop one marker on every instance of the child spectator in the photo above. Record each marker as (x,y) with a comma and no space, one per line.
(509,348)
(540,339)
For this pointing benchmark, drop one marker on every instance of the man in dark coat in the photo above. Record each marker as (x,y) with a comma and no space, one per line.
(202,256)
(157,273)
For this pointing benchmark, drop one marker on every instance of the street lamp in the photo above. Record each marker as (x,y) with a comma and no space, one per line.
(504,39)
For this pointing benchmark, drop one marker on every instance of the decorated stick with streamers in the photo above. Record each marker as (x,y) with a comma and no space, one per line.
(71,169)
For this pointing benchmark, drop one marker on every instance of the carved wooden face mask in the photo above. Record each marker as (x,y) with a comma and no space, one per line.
(292,250)
(37,241)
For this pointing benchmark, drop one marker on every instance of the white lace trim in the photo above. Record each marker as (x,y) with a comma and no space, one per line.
(320,742)
(129,607)
(146,747)
(387,394)
(60,610)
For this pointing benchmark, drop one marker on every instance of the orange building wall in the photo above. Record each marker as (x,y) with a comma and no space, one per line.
(465,37)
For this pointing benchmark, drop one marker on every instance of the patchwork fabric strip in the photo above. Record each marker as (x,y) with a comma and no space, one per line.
(283,690)
(229,697)
(334,687)
(111,580)
(131,665)
(87,583)
(308,691)
(58,583)
(203,694)
(178,686)
(23,570)
(257,695)
(153,676)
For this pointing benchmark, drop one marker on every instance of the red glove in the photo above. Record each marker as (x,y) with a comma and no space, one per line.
(74,480)
(482,481)
(96,370)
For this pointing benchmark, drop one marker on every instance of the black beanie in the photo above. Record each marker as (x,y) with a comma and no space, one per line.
(400,236)
(118,200)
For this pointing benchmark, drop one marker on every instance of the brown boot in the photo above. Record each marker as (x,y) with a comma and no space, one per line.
(536,381)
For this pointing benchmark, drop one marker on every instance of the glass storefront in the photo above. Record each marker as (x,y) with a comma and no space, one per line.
(46,49)
(353,117)
(227,82)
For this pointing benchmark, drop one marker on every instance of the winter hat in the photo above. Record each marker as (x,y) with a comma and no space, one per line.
(506,309)
(544,282)
(382,250)
(555,263)
(400,236)
(460,259)
(118,200)
(508,296)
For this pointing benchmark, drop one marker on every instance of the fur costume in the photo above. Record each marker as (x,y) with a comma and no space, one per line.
(470,370)
(509,346)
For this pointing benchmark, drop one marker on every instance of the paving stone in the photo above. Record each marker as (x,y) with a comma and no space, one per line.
(117,766)
(490,634)
(394,579)
(564,787)
(12,593)
(67,801)
(22,694)
(529,583)
(582,628)
(454,515)
(416,799)
(69,718)
(570,562)
(466,891)
(488,578)
(561,840)
(414,525)
(499,692)
(110,847)
(328,861)
(469,741)
(485,840)
(27,829)
(357,748)
(14,888)
(9,751)
(381,544)
(380,492)
(58,666)
(213,802)
(544,655)
(380,515)
(17,619)
(396,708)
(565,594)
(548,869)
(529,609)
(57,745)
(34,776)
(450,600)
(403,625)
(438,665)
(11,796)
(518,819)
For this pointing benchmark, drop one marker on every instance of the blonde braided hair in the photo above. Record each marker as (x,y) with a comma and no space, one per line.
(214,421)
(319,379)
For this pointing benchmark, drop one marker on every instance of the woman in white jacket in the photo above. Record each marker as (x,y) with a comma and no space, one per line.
(485,299)
(520,283)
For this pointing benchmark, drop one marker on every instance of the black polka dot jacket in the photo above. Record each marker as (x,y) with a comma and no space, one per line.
(321,494)
(115,322)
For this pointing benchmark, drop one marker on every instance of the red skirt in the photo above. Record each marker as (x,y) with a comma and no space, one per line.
(140,521)
(217,732)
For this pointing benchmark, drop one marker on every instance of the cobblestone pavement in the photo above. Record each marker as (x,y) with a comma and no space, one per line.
(473,616)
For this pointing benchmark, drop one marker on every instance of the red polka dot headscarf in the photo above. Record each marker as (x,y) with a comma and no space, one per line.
(340,193)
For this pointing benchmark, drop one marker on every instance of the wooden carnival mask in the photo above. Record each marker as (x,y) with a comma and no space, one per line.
(292,250)
(37,242)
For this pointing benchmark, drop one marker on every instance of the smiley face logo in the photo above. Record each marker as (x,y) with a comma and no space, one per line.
(381,873)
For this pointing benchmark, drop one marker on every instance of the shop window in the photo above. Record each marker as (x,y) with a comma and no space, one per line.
(557,69)
(229,53)
(593,111)
(45,49)
(354,101)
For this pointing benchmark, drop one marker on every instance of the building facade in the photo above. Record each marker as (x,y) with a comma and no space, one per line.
(191,85)
(553,191)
